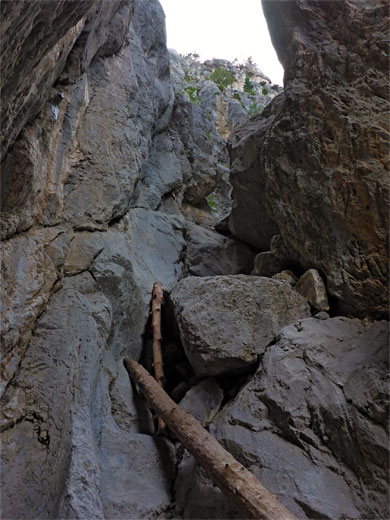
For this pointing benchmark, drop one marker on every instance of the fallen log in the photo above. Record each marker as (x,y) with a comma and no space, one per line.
(157,297)
(228,474)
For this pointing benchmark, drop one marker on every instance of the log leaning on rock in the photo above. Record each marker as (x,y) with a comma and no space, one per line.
(253,500)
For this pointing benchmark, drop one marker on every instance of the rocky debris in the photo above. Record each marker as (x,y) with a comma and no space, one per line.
(313,163)
(226,322)
(210,253)
(305,424)
(312,287)
(203,400)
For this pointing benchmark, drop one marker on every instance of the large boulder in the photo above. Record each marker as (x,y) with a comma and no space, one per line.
(306,425)
(315,163)
(226,322)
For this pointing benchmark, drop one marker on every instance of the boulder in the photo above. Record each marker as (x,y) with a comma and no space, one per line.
(226,322)
(268,264)
(312,287)
(306,425)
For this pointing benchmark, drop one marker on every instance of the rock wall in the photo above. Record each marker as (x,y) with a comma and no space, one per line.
(315,167)
(79,260)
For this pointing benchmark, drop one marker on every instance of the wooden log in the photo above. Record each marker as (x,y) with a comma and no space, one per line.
(157,297)
(228,474)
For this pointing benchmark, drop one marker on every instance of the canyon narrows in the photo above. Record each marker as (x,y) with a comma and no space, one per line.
(262,210)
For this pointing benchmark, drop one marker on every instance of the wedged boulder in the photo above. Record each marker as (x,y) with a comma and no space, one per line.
(210,253)
(306,425)
(268,264)
(226,322)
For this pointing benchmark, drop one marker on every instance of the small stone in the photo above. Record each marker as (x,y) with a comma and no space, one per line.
(268,264)
(287,275)
(312,287)
(322,315)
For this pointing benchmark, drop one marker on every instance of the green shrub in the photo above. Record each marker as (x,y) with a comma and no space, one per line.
(265,91)
(254,109)
(210,199)
(249,87)
(193,94)
(222,77)
(236,95)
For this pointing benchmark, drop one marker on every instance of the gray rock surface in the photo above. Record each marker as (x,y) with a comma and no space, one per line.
(314,162)
(28,76)
(203,400)
(249,181)
(268,264)
(210,253)
(226,322)
(307,427)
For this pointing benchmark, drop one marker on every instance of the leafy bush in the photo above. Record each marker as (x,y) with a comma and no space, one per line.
(222,77)
(236,95)
(255,109)
(265,91)
(249,87)
(210,199)
(193,94)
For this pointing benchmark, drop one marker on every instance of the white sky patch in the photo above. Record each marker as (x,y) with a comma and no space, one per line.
(225,29)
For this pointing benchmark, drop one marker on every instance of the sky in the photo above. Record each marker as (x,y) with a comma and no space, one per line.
(222,29)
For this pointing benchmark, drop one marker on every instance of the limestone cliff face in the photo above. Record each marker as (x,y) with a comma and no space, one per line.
(76,281)
(315,167)
(100,158)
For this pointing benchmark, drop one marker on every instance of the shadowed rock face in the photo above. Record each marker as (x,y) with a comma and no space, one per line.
(320,154)
(36,40)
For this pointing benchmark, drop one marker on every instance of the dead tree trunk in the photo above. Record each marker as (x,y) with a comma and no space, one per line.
(157,355)
(237,482)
